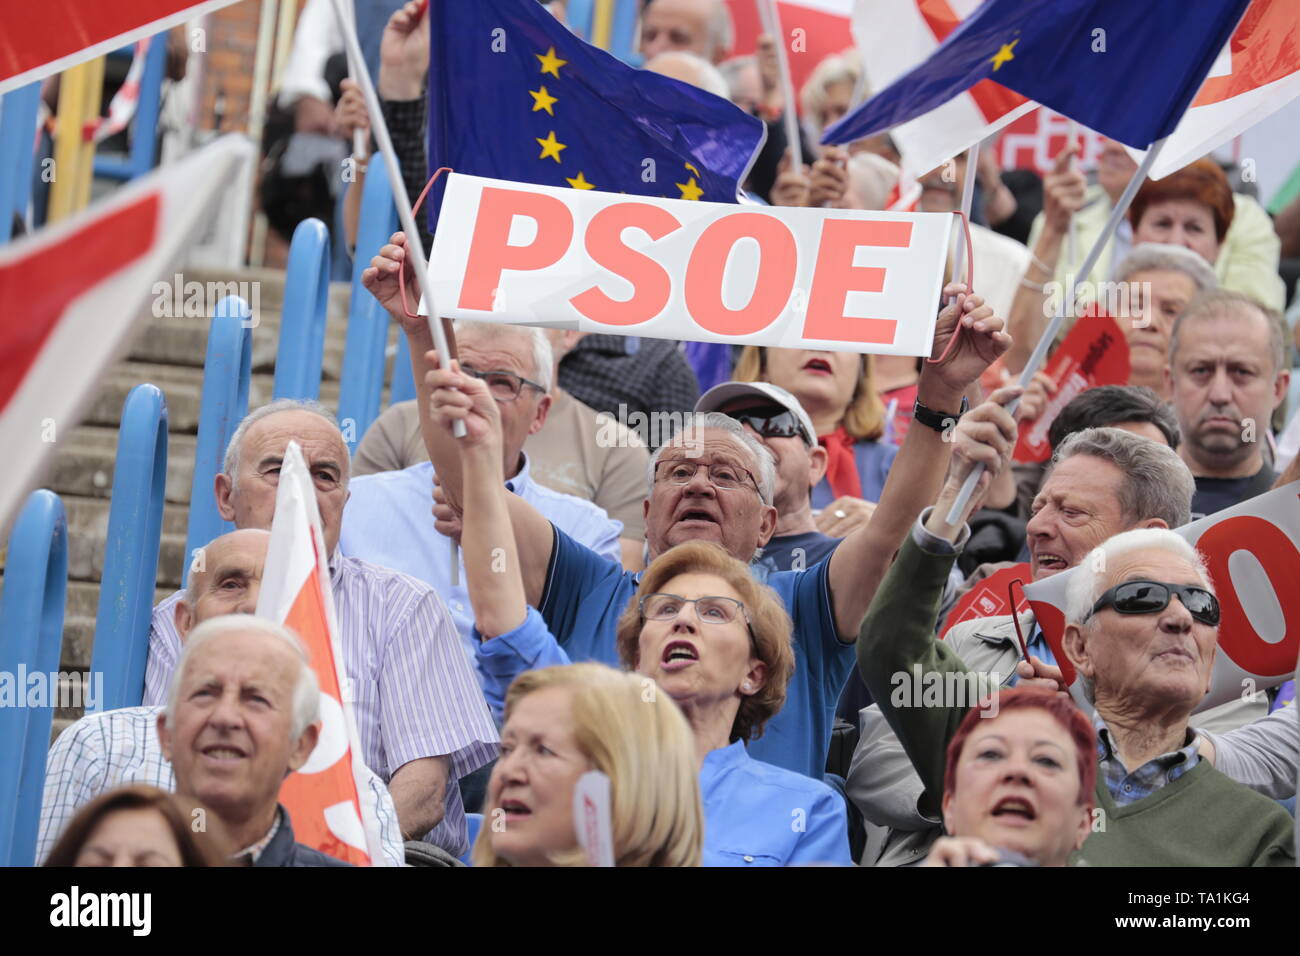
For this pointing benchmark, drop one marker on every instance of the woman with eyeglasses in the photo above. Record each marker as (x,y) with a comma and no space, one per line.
(838,391)
(703,633)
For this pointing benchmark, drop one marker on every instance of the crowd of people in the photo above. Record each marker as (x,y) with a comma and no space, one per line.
(715,617)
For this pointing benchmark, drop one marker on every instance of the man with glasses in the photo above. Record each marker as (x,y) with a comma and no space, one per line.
(776,419)
(389,518)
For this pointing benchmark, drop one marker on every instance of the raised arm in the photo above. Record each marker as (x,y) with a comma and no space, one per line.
(859,564)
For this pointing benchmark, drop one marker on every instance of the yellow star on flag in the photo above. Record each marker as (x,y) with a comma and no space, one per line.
(1004,54)
(551,63)
(690,190)
(550,146)
(542,100)
(579,182)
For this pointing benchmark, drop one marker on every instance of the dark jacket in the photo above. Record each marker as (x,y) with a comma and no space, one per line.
(283,850)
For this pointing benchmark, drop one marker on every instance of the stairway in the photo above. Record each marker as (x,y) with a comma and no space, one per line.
(169,353)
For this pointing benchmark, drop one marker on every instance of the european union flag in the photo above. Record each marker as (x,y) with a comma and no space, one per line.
(514,95)
(1125,68)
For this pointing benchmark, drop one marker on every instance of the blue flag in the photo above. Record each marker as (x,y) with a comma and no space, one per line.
(514,95)
(1125,68)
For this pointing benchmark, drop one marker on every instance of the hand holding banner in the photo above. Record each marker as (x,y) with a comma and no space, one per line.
(702,272)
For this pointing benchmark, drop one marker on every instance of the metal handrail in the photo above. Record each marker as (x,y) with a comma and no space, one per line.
(31,636)
(18,111)
(131,553)
(223,404)
(144,125)
(302,319)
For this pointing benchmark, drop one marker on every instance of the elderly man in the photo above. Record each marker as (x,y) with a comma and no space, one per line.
(776,420)
(1227,373)
(388,519)
(420,713)
(119,747)
(1147,662)
(718,486)
(702,27)
(576,452)
(242,714)
(1102,481)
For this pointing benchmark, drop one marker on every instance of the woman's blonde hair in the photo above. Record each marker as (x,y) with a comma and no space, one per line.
(640,740)
(864,419)
(769,626)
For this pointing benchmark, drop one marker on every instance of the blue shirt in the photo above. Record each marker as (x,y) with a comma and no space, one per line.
(756,814)
(873,459)
(388,521)
(586,593)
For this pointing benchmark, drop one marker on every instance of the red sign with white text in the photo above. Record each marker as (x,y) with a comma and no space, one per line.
(991,597)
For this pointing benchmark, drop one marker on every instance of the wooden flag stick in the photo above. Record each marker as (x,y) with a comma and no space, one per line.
(1049,334)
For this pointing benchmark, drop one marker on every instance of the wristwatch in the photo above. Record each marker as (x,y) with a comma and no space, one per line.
(939,421)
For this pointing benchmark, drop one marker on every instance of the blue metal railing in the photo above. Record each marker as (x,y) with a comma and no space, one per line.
(623,32)
(403,381)
(224,402)
(144,124)
(131,552)
(362,382)
(302,319)
(31,635)
(18,110)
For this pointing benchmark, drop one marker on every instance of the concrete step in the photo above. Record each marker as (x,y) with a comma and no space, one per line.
(88,534)
(84,465)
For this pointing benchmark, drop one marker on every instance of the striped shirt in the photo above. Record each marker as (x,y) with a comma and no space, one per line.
(413,691)
(118,748)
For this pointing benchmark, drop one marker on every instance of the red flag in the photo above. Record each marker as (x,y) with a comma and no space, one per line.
(40,39)
(329,805)
(71,294)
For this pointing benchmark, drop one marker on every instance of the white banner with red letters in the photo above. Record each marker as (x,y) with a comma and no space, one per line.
(1252,551)
(843,280)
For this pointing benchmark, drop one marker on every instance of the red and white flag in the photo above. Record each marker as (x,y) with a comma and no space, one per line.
(72,295)
(40,39)
(1256,74)
(328,801)
(896,35)
(1252,551)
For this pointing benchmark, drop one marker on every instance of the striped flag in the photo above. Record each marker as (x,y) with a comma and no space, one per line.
(329,804)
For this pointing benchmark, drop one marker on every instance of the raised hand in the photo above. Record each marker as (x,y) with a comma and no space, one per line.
(381,281)
(981,342)
(404,53)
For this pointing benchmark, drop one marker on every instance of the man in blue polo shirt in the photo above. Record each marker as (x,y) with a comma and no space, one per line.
(717,485)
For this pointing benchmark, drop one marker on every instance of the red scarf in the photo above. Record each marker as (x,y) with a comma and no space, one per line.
(842,464)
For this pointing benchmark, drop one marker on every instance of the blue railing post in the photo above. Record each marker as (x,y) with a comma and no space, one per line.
(18,109)
(623,32)
(403,381)
(302,320)
(144,125)
(362,382)
(31,636)
(222,406)
(131,553)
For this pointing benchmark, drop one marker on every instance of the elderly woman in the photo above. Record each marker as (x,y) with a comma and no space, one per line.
(562,722)
(838,391)
(1018,787)
(141,826)
(702,633)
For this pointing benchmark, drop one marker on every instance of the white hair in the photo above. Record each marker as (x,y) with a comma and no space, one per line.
(707,77)
(1088,579)
(716,421)
(845,67)
(543,357)
(230,465)
(1160,257)
(306,689)
(1156,482)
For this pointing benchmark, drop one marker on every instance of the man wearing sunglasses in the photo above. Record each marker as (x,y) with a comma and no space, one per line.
(776,419)
(1141,630)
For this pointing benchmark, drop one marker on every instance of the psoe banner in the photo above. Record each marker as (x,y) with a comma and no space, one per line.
(843,280)
(1252,551)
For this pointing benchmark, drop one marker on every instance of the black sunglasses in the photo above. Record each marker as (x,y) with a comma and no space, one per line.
(1148,597)
(772,422)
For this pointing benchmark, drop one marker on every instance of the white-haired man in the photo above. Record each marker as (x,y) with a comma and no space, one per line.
(243,713)
(1142,626)
(420,712)
(716,483)
(119,747)
(388,520)
(702,27)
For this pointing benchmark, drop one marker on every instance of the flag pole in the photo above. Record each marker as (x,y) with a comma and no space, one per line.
(1049,334)
(967,200)
(414,249)
(360,139)
(1071,134)
(771,19)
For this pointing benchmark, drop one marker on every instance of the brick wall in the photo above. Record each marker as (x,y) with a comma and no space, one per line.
(231,53)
